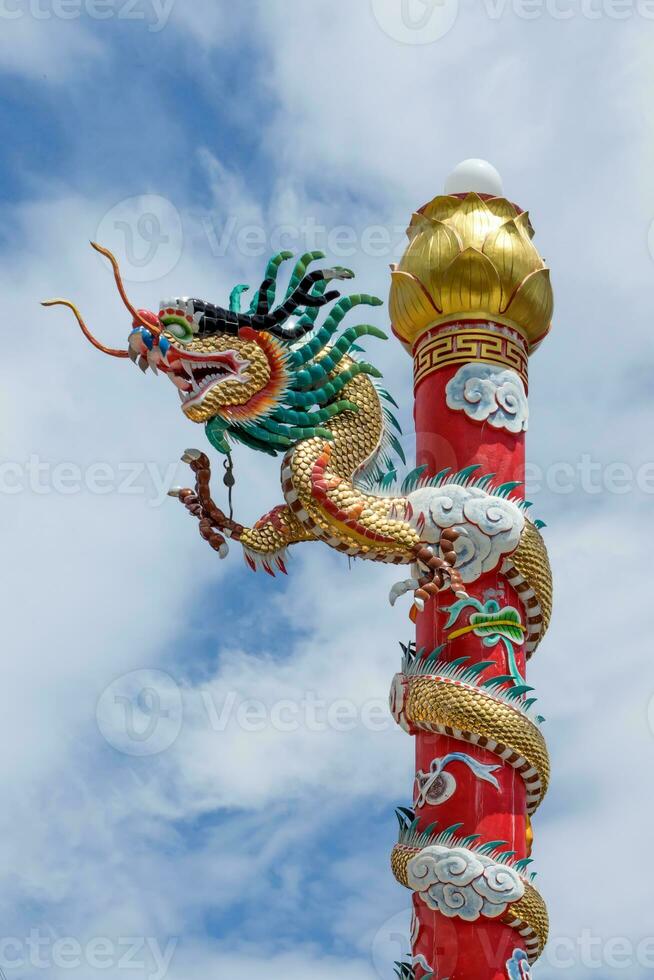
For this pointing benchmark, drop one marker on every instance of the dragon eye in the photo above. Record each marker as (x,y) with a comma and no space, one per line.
(180,331)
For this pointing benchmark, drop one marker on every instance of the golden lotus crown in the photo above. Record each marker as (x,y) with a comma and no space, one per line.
(471,256)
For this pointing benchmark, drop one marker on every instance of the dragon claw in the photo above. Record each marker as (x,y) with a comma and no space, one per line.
(401,588)
(214,525)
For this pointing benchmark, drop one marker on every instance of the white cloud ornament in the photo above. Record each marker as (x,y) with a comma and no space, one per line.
(490,526)
(490,394)
(464,884)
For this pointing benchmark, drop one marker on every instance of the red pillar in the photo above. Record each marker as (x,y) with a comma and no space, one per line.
(471,298)
(455,949)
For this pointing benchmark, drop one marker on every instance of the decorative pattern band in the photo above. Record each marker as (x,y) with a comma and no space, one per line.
(467,344)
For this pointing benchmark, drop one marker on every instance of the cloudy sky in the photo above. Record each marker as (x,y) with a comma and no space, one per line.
(199,775)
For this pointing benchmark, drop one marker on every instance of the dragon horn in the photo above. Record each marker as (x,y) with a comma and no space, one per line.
(85,330)
(121,289)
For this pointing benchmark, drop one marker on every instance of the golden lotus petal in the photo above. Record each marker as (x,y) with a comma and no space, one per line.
(473,222)
(471,283)
(431,251)
(414,225)
(533,305)
(524,226)
(433,246)
(514,257)
(523,222)
(417,220)
(411,308)
(441,208)
(502,208)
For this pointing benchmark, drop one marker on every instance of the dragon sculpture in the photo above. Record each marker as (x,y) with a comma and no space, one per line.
(276,380)
(272,380)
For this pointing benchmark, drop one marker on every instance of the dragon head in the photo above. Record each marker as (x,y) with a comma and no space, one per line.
(237,376)
(253,376)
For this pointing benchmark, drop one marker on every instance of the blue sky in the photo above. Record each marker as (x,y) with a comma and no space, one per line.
(247,845)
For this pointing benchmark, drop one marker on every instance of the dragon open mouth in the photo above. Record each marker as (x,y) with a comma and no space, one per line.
(193,374)
(194,377)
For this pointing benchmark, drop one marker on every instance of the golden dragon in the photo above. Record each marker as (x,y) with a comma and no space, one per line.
(272,379)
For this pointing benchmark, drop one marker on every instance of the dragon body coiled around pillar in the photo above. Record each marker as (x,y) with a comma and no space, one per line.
(275,380)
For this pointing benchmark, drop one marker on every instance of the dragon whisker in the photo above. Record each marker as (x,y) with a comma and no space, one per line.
(85,330)
(138,319)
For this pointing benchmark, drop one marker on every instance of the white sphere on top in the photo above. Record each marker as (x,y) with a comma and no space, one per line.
(477,176)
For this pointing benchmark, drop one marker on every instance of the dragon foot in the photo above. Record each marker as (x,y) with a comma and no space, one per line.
(265,545)
(214,525)
(434,571)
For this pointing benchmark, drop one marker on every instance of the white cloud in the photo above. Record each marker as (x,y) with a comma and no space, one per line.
(296,965)
(213,25)
(45,48)
(98,844)
(101,585)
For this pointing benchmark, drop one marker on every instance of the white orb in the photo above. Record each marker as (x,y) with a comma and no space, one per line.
(479,176)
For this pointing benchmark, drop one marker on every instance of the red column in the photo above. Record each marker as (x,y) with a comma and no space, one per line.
(453,948)
(472,299)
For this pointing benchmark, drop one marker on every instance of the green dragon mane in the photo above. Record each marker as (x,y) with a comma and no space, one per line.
(316,370)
